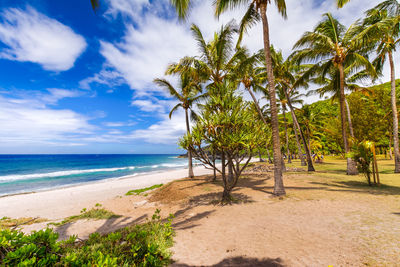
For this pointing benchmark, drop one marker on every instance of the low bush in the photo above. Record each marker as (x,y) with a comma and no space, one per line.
(146,244)
(138,191)
(94,214)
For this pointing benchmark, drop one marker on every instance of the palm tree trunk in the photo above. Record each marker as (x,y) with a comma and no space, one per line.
(395,116)
(257,106)
(190,161)
(279,188)
(268,154)
(351,166)
(286,135)
(301,157)
(349,117)
(296,124)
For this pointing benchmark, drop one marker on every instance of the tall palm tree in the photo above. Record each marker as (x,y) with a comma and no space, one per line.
(283,100)
(330,83)
(341,3)
(329,46)
(383,29)
(257,9)
(287,74)
(187,93)
(248,73)
(216,59)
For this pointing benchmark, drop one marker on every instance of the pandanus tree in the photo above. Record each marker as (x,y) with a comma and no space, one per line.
(227,126)
(329,46)
(287,75)
(382,28)
(187,93)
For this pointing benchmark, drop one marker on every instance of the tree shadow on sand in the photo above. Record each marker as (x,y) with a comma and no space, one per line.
(184,219)
(260,185)
(109,225)
(359,187)
(240,262)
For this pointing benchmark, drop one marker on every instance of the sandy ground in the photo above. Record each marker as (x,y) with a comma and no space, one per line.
(319,223)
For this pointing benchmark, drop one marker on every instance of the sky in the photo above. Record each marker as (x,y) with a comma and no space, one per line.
(77,81)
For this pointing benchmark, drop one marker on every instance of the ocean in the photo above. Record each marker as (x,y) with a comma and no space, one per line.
(30,173)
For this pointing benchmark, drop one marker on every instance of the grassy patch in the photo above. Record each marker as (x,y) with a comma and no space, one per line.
(138,191)
(6,222)
(93,214)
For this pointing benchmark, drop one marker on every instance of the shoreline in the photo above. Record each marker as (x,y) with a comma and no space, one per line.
(58,203)
(129,176)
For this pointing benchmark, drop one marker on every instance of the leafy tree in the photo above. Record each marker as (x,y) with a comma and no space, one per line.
(363,154)
(187,95)
(228,127)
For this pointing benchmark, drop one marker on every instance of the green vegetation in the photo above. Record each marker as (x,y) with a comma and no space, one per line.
(140,245)
(139,191)
(92,214)
(332,56)
(6,222)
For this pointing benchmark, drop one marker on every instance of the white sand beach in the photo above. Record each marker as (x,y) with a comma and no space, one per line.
(60,203)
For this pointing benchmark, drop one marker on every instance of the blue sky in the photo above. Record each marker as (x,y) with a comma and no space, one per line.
(73,81)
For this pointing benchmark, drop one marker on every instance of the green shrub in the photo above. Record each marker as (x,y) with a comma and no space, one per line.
(147,244)
(138,191)
(363,156)
(94,214)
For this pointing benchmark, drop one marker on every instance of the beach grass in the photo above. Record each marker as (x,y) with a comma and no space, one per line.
(92,214)
(139,191)
(7,223)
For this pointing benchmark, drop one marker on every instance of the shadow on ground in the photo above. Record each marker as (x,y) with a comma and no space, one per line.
(108,226)
(359,187)
(241,261)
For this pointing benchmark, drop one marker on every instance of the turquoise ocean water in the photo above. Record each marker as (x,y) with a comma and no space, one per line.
(30,173)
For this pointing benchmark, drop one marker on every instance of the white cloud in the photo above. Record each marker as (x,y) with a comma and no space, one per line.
(57,94)
(109,78)
(144,52)
(34,37)
(165,131)
(119,124)
(130,9)
(30,121)
(153,104)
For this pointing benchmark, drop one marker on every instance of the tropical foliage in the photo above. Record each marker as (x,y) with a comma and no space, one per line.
(139,245)
(330,60)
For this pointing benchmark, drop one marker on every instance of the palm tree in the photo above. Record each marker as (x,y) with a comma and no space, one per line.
(287,75)
(383,30)
(216,59)
(331,85)
(258,9)
(283,100)
(329,46)
(187,94)
(341,3)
